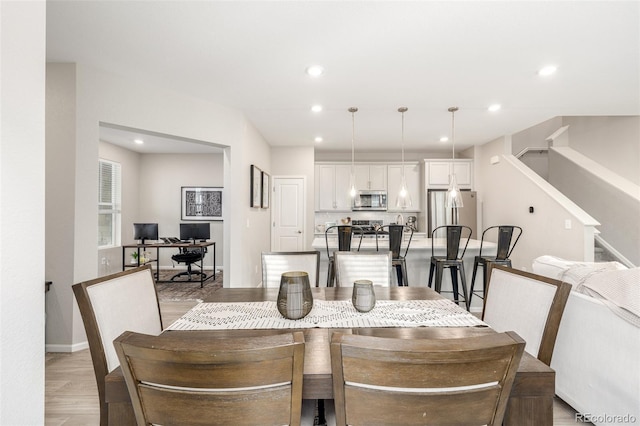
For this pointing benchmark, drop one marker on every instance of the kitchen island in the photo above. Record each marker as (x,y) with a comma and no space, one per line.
(418,259)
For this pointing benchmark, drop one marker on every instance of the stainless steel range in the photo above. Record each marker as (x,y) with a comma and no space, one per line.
(369,228)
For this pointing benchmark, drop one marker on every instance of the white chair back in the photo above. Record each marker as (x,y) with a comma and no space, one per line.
(352,266)
(276,263)
(529,304)
(124,303)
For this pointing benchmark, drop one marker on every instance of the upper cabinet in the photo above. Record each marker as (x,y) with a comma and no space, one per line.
(371,176)
(332,187)
(437,173)
(394,180)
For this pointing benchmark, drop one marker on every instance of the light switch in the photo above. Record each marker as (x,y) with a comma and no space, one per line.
(567,224)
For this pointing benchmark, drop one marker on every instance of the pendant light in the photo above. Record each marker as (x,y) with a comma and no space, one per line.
(404,198)
(352,185)
(454,198)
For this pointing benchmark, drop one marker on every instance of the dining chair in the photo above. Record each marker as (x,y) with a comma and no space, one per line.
(274,264)
(231,381)
(382,381)
(396,235)
(345,235)
(529,304)
(505,244)
(452,260)
(374,266)
(111,305)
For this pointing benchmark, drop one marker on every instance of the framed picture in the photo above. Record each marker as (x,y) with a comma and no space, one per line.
(256,186)
(265,190)
(201,203)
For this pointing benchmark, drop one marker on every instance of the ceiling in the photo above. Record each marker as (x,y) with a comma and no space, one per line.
(377,56)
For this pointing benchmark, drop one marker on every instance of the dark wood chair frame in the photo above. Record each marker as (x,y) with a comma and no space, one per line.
(92,329)
(234,381)
(345,234)
(378,380)
(554,317)
(398,261)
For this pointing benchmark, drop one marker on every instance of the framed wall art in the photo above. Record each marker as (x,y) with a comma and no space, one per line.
(201,203)
(265,190)
(256,186)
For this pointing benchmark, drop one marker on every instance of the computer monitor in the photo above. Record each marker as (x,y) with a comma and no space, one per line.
(145,231)
(195,231)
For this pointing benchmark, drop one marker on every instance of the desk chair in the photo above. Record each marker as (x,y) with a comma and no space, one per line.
(345,235)
(351,266)
(396,235)
(452,260)
(189,256)
(529,304)
(232,381)
(274,264)
(109,306)
(506,244)
(383,381)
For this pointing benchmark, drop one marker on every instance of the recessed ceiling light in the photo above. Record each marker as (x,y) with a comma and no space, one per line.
(318,139)
(316,108)
(138,141)
(314,71)
(494,107)
(444,139)
(547,70)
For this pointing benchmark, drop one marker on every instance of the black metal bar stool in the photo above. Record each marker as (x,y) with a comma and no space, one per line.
(396,235)
(452,260)
(345,234)
(506,245)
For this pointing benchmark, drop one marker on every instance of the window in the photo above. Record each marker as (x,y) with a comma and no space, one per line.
(108,204)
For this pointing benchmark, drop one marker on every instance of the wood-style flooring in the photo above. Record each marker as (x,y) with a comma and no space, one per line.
(71,396)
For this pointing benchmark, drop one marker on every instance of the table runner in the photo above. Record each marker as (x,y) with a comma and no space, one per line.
(327,314)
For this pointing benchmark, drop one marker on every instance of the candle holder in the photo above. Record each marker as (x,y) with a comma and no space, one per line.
(294,297)
(363,298)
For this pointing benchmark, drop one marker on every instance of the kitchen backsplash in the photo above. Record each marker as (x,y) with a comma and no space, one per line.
(387,218)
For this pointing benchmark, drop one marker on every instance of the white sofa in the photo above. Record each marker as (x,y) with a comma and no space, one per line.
(597,352)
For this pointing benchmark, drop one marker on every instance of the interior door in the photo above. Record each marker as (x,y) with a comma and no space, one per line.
(287,217)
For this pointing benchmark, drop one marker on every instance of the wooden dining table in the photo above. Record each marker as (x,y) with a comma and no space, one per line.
(530,401)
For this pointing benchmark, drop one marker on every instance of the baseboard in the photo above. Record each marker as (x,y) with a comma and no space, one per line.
(66,348)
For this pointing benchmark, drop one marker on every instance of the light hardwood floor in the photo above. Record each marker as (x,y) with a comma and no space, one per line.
(71,396)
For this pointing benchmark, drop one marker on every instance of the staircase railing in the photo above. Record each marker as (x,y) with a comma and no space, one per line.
(611,252)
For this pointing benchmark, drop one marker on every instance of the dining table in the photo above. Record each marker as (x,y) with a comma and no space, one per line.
(530,401)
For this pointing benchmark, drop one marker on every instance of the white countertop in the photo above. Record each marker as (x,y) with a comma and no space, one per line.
(417,243)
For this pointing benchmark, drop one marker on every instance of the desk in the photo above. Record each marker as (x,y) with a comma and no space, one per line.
(202,246)
(530,402)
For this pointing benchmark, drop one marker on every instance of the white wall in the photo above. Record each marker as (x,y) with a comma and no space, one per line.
(22,207)
(103,97)
(508,189)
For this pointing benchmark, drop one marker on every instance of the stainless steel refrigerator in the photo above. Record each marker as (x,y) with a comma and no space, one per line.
(439,214)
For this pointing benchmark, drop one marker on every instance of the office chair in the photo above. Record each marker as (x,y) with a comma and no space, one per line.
(189,257)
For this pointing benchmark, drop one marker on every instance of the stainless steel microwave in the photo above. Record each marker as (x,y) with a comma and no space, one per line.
(370,200)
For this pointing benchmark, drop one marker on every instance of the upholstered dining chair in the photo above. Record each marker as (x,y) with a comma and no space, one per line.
(456,238)
(504,235)
(529,304)
(382,381)
(233,381)
(374,266)
(274,264)
(111,305)
(345,234)
(396,235)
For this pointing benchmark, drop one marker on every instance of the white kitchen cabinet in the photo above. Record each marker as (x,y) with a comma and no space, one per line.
(412,178)
(332,187)
(371,177)
(437,172)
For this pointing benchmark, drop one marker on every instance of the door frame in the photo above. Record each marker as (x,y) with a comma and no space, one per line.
(304,207)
